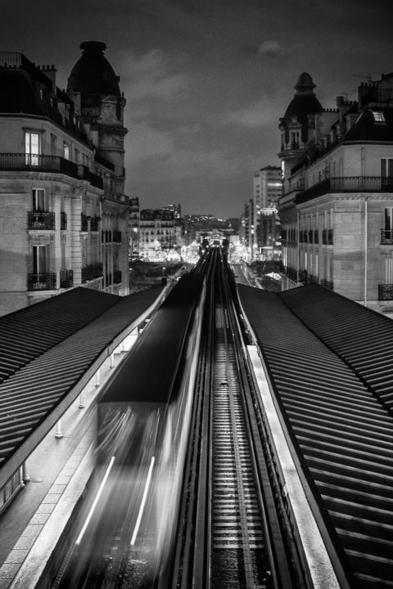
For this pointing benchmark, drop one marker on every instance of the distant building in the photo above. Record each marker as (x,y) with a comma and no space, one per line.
(176,210)
(133,251)
(267,190)
(337,203)
(267,187)
(157,232)
(196,227)
(63,212)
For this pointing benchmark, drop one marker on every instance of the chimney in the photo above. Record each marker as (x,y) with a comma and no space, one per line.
(50,72)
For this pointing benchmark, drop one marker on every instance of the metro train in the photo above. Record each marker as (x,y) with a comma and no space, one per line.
(144,415)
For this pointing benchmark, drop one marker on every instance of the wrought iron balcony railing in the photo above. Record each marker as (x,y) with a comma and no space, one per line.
(48,163)
(42,281)
(386,236)
(92,271)
(385,292)
(347,184)
(307,278)
(66,279)
(42,220)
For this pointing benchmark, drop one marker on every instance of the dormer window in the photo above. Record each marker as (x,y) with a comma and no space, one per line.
(295,139)
(378,116)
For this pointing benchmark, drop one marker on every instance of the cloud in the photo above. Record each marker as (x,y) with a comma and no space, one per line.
(150,76)
(258,114)
(200,163)
(270,48)
(144,141)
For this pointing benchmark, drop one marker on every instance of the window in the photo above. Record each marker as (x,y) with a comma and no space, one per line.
(388,219)
(387,167)
(40,259)
(378,116)
(53,144)
(387,174)
(40,201)
(32,147)
(389,270)
(295,139)
(66,151)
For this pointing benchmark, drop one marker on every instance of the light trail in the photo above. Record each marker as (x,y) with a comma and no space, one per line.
(142,507)
(83,530)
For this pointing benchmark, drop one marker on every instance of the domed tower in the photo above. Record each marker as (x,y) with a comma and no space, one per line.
(296,126)
(94,88)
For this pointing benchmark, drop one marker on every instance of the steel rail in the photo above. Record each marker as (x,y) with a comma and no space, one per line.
(283,571)
(191,564)
(231,534)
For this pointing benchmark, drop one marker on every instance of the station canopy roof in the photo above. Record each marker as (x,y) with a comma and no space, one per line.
(45,350)
(330,364)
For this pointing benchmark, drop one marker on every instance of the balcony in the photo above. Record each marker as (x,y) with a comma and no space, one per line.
(63,220)
(66,279)
(346,184)
(47,163)
(307,278)
(42,281)
(385,292)
(94,180)
(92,271)
(386,237)
(41,220)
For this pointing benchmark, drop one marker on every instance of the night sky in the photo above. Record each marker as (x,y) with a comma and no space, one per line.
(207,80)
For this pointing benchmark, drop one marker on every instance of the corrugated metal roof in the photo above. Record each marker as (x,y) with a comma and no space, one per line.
(363,338)
(340,429)
(29,332)
(29,395)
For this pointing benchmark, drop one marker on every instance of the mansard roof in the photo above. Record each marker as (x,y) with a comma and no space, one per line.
(26,89)
(373,124)
(304,102)
(93,74)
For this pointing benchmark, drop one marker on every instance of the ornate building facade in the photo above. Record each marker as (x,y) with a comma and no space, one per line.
(63,212)
(337,203)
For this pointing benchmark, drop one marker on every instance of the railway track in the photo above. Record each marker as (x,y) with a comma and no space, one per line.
(229,532)
(237,528)
(232,536)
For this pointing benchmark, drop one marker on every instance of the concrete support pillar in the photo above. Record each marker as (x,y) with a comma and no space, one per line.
(59,433)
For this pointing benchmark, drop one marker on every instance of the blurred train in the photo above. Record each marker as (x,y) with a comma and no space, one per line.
(144,415)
